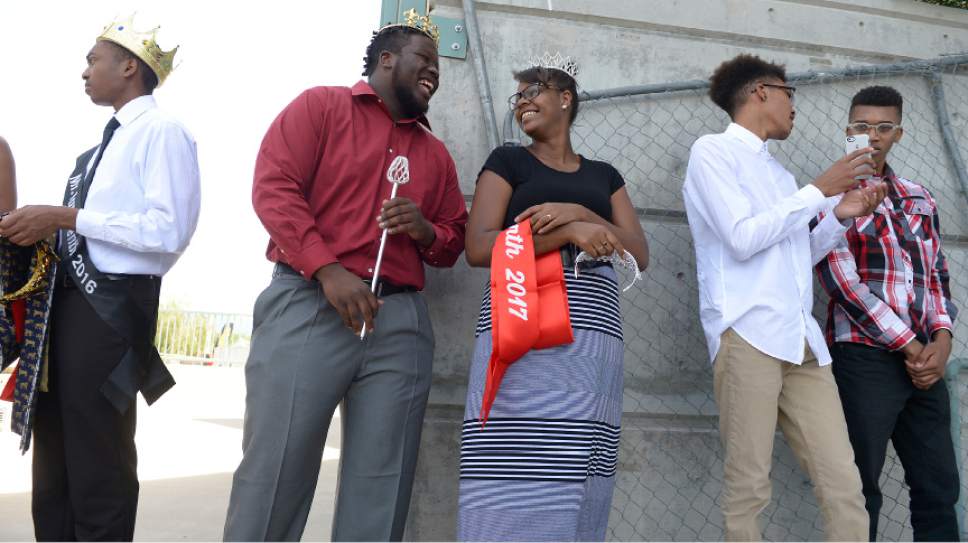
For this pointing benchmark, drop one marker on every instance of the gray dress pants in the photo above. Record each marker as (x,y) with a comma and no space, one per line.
(302,364)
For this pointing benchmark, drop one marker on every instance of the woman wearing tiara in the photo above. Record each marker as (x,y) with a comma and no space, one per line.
(542,466)
(8,186)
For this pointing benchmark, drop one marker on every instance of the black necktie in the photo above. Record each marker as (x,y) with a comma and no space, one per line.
(112,125)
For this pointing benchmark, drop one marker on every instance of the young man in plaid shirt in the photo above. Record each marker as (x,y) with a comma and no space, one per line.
(889,324)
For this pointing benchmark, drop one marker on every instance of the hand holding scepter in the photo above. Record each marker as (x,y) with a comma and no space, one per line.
(397,174)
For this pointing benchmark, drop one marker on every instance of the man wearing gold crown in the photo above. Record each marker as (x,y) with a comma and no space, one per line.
(130,209)
(321,189)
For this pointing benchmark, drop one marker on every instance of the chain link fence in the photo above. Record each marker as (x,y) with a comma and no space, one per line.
(204,338)
(670,463)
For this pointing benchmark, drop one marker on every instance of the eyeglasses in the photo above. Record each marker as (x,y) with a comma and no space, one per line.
(863,128)
(529,93)
(786,88)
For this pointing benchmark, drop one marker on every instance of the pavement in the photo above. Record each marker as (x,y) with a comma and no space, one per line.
(189,443)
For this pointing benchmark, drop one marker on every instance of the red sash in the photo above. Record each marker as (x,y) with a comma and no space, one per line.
(529,305)
(17,309)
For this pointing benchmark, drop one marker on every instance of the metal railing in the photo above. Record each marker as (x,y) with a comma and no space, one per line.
(206,338)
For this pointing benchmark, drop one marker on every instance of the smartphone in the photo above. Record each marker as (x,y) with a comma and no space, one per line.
(854,143)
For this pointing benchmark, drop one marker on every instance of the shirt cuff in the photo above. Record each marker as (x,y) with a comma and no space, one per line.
(433,253)
(940,325)
(814,198)
(310,259)
(902,340)
(90,224)
(836,226)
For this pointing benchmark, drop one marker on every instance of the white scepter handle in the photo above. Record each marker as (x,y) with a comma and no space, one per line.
(397,174)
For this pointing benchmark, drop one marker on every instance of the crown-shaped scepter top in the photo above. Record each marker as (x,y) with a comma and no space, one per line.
(555,62)
(399,171)
(142,44)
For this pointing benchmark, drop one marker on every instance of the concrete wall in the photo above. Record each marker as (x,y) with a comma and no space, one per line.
(670,462)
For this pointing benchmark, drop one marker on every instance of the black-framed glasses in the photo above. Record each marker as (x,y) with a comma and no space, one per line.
(529,93)
(883,129)
(786,88)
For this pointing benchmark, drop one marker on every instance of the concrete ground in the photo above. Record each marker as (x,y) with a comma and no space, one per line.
(189,443)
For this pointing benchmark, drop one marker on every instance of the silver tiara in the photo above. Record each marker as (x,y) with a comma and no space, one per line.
(556,62)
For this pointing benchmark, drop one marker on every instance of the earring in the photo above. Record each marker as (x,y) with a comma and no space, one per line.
(564,106)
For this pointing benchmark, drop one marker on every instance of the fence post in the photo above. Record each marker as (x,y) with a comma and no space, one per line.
(944,122)
(951,380)
(480,70)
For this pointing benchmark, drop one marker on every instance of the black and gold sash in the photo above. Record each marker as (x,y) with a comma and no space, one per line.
(141,368)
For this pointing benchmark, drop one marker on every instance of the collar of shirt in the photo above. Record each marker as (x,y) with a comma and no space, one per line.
(898,188)
(751,140)
(134,109)
(363,89)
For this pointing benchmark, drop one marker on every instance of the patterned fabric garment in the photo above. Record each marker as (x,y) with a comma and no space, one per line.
(16,266)
(888,278)
(543,468)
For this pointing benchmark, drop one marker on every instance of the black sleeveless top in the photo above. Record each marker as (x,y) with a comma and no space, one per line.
(533,183)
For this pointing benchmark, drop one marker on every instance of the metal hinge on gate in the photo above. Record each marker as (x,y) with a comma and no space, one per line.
(453,32)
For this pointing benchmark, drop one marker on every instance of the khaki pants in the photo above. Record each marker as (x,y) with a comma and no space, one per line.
(754,392)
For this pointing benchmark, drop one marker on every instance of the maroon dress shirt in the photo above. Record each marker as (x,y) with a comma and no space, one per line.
(320,181)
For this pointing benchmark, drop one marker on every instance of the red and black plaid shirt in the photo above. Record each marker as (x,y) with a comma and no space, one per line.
(888,279)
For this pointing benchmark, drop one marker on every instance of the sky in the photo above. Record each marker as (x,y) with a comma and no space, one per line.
(238,65)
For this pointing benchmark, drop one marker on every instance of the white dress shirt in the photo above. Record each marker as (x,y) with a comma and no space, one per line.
(754,249)
(143,203)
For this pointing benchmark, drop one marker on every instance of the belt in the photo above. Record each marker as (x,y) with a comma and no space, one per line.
(64,281)
(386,288)
(383,287)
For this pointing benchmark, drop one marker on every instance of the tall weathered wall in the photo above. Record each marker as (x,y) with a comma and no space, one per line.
(670,459)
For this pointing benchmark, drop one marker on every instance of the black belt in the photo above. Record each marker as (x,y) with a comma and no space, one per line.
(386,288)
(383,287)
(64,281)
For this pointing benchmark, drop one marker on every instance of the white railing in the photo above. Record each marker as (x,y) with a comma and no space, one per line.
(201,337)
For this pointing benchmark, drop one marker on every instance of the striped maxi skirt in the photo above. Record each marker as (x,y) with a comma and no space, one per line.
(543,468)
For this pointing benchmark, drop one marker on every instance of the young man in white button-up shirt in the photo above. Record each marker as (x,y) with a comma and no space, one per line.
(754,254)
(130,210)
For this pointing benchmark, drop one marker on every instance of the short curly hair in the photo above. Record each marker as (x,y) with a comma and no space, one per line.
(728,84)
(878,95)
(552,78)
(392,39)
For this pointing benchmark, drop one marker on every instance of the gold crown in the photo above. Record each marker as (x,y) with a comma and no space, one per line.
(422,23)
(142,45)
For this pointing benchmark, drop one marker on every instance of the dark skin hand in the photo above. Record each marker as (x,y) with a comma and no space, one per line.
(547,217)
(349,295)
(593,234)
(402,216)
(926,364)
(30,224)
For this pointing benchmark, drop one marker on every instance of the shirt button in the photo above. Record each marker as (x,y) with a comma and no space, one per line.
(369,270)
(390,150)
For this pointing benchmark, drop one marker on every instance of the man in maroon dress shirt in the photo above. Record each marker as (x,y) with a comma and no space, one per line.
(322,193)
